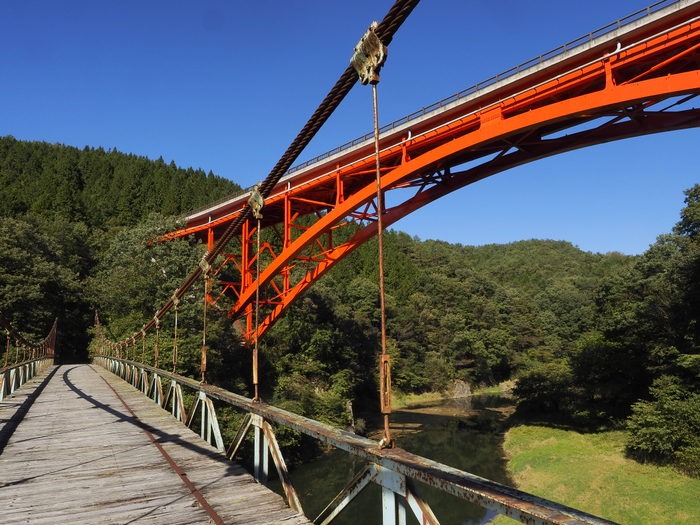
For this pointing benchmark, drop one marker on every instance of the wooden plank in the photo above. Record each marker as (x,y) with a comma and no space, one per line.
(80,456)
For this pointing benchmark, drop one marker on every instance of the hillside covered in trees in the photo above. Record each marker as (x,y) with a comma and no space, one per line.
(591,340)
(60,208)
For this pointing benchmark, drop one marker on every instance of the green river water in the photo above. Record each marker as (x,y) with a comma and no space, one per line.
(462,433)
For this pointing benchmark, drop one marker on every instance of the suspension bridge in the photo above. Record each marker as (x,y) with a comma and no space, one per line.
(111,442)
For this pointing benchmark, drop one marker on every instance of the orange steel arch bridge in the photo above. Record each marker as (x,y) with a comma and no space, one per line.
(631,78)
(634,77)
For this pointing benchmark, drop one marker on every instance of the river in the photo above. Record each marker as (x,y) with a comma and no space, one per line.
(464,433)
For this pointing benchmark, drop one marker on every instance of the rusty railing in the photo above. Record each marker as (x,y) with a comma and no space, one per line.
(395,470)
(13,377)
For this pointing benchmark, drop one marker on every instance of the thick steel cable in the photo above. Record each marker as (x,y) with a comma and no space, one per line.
(175,343)
(7,349)
(203,362)
(386,30)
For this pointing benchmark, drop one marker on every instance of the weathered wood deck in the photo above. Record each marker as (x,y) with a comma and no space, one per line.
(80,455)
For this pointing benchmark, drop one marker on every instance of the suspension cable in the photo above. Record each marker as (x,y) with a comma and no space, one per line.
(257,314)
(7,348)
(157,348)
(203,364)
(385,30)
(28,348)
(256,202)
(367,60)
(384,360)
(175,340)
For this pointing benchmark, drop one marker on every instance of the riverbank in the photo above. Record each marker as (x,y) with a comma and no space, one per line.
(586,471)
(591,473)
(458,391)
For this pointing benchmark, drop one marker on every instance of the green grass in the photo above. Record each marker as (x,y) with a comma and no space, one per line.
(590,472)
(406,400)
(401,400)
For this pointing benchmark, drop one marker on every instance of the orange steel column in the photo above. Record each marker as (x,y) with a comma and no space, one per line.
(210,239)
(287,225)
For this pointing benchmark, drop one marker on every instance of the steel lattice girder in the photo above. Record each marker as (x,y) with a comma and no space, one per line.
(511,126)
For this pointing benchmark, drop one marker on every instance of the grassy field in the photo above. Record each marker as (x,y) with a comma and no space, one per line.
(401,400)
(590,472)
(406,400)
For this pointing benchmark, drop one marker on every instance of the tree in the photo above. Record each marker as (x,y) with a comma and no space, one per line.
(666,429)
(40,281)
(546,389)
(609,377)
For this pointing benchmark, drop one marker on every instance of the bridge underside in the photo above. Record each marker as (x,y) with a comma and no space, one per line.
(316,217)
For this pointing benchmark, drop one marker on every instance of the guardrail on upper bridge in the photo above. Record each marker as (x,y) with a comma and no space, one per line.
(540,60)
(395,470)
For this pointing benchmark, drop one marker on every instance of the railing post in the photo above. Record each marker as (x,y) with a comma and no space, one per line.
(281,466)
(213,425)
(181,413)
(156,389)
(3,378)
(203,417)
(13,373)
(144,381)
(261,452)
(393,484)
(388,507)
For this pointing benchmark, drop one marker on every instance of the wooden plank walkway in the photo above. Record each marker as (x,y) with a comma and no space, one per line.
(80,455)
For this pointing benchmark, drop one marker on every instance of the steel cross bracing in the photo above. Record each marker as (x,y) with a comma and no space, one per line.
(634,80)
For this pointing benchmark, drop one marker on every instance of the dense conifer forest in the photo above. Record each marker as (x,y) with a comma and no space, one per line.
(590,341)
(61,207)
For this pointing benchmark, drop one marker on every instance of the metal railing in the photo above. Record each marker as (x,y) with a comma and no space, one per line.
(13,377)
(395,470)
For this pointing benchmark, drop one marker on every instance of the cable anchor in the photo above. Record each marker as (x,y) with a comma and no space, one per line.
(369,56)
(204,264)
(256,201)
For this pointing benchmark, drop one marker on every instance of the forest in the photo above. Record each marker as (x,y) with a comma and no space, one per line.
(589,341)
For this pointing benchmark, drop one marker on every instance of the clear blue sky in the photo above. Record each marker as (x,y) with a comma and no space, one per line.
(226,85)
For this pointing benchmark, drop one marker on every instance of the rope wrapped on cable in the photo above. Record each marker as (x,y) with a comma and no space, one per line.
(385,30)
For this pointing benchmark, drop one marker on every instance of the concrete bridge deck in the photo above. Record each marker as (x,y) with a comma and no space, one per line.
(92,449)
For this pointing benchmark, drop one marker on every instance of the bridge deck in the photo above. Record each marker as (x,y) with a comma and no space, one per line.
(92,449)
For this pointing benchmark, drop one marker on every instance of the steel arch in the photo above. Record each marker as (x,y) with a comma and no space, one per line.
(602,91)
